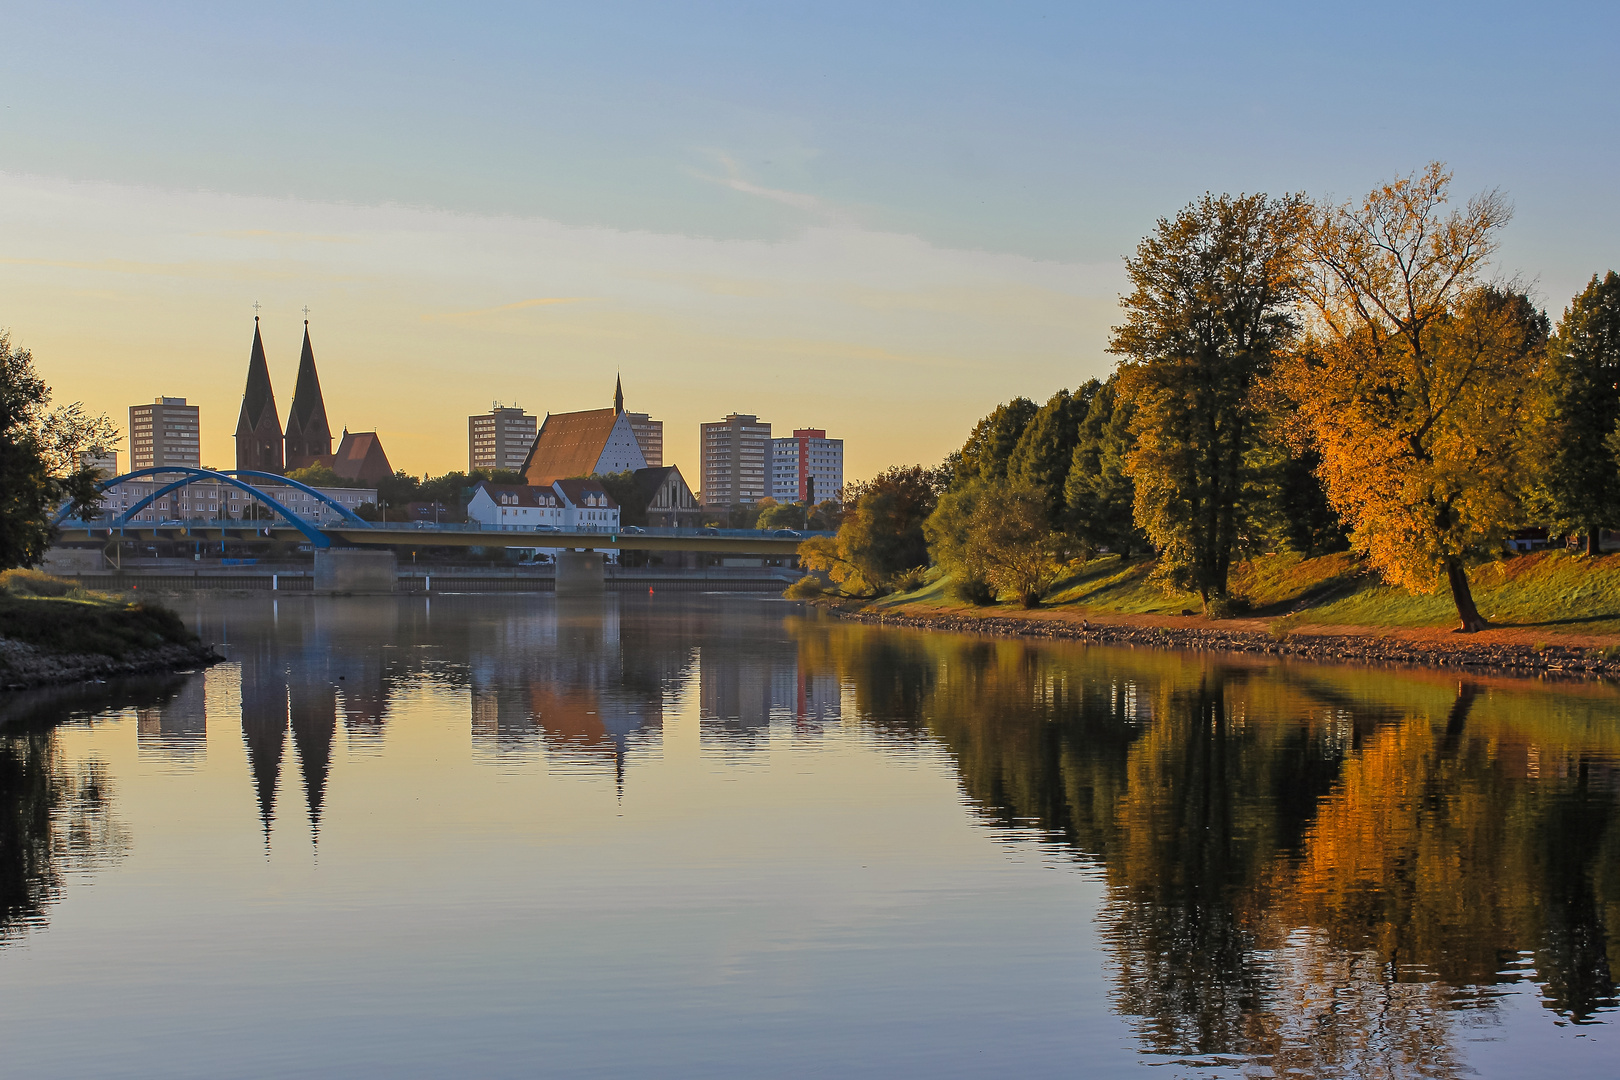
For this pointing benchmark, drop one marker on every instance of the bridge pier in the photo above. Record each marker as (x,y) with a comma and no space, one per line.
(579,573)
(350,571)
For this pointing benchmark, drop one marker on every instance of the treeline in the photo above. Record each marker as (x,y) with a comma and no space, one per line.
(1293,375)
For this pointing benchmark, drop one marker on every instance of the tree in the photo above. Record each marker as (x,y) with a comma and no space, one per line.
(1098,493)
(1579,479)
(1413,383)
(882,531)
(1045,451)
(320,475)
(39,458)
(826,516)
(990,445)
(782,516)
(622,486)
(1211,307)
(997,533)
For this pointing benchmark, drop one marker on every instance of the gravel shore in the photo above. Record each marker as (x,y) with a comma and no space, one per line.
(23,666)
(1366,647)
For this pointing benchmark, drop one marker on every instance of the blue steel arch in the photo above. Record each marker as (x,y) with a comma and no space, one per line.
(228,476)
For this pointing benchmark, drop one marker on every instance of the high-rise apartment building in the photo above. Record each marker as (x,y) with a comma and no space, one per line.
(650,434)
(736,460)
(806,468)
(164,433)
(500,438)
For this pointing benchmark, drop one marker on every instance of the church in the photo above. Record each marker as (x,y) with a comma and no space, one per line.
(264,445)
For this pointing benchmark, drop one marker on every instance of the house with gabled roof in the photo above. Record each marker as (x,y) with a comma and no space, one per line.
(577,504)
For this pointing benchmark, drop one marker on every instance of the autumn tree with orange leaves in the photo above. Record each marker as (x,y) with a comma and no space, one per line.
(1414,381)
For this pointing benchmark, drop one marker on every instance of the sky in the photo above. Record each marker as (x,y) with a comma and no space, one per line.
(878,219)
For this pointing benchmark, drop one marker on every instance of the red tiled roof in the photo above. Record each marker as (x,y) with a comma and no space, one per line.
(569,444)
(360,456)
(524,494)
(577,487)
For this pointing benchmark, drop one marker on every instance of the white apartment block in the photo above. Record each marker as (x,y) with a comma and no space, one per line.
(500,438)
(166,432)
(736,461)
(808,467)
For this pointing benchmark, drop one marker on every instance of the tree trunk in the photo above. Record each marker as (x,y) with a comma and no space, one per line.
(1463,596)
(1594,540)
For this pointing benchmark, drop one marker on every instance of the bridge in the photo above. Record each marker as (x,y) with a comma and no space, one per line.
(350,532)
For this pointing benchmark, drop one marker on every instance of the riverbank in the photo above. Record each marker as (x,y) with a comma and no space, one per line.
(75,636)
(1554,612)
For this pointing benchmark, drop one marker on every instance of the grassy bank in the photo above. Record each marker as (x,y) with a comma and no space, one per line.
(1544,596)
(57,618)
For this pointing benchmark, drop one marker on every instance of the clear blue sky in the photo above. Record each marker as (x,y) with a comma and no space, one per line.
(1051,133)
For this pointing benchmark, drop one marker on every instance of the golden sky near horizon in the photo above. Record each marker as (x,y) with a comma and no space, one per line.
(422,317)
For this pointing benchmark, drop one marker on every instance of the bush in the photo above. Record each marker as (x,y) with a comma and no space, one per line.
(33,583)
(88,626)
(972,590)
(806,588)
(910,580)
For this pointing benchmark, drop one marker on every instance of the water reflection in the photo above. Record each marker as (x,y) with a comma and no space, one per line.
(1312,870)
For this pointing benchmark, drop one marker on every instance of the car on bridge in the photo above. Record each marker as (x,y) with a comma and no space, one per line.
(785,534)
(634,530)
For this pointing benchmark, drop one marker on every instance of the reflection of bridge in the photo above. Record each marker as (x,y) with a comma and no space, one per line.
(351,531)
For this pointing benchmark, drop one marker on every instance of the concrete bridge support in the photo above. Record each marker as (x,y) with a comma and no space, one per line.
(350,571)
(579,573)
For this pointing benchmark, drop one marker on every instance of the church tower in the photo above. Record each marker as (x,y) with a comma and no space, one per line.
(618,396)
(309,437)
(258,430)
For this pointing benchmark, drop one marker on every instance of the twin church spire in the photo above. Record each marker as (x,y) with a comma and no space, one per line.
(261,443)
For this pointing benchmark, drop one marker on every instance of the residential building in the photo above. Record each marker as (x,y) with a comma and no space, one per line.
(211,500)
(258,428)
(308,435)
(500,438)
(809,467)
(106,465)
(666,500)
(736,460)
(584,444)
(164,433)
(574,504)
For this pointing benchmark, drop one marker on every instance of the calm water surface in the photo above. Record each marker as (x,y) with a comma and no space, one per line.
(712,836)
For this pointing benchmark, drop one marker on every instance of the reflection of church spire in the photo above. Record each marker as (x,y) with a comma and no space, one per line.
(314,723)
(264,729)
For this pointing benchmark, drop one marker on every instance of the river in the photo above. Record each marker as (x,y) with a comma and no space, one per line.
(692,835)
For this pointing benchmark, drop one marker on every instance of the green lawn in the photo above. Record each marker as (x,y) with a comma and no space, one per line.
(1558,591)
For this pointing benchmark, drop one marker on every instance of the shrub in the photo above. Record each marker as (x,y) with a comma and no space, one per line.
(33,583)
(806,588)
(910,580)
(972,590)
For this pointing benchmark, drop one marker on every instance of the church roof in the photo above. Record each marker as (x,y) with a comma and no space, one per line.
(308,407)
(258,396)
(569,444)
(360,456)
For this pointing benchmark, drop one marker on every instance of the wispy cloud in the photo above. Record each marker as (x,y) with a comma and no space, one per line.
(799,200)
(539,301)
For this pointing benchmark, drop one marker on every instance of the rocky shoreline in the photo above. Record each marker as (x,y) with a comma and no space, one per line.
(1320,647)
(23,666)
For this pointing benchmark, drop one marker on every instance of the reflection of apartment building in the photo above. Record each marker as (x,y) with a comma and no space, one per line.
(736,461)
(166,432)
(177,729)
(500,438)
(809,467)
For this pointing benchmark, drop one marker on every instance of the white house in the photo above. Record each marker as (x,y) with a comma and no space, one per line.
(573,505)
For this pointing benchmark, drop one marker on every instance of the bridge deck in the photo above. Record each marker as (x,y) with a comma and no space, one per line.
(410,536)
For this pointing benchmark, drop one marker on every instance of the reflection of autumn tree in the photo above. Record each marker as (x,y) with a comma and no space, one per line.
(54,817)
(1310,867)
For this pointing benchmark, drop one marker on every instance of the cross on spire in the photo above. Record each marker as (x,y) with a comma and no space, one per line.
(306,313)
(255,311)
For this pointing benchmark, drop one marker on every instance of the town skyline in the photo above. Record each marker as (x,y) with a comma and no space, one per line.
(861,219)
